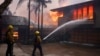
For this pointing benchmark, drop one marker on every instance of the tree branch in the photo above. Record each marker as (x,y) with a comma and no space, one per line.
(4,5)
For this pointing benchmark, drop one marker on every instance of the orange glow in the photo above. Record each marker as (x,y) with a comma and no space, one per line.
(85,14)
(15,34)
(55,15)
(75,14)
(91,12)
(60,14)
(79,13)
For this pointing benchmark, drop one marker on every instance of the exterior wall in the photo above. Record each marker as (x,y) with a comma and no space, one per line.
(60,21)
(97,13)
(0,30)
(88,33)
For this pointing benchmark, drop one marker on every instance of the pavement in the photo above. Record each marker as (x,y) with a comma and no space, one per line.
(52,49)
(17,51)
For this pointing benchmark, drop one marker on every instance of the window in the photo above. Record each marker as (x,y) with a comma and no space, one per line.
(75,14)
(90,12)
(80,13)
(85,12)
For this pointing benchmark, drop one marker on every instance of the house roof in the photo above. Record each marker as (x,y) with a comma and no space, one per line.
(14,20)
(73,6)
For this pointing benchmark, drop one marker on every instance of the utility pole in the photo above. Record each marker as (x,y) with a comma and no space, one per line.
(42,20)
(28,21)
(39,18)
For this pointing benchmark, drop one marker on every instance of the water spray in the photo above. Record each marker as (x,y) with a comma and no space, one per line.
(68,25)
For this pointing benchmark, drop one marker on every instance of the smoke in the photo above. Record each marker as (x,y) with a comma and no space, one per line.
(70,2)
(48,21)
(7,12)
(1,1)
(33,5)
(19,4)
(20,8)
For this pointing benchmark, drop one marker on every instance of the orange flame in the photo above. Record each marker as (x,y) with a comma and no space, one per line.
(90,12)
(75,14)
(55,15)
(85,12)
(79,13)
(15,34)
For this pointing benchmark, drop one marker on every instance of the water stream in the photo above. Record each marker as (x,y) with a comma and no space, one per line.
(68,25)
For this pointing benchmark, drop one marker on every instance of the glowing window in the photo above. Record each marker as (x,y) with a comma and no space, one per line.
(75,14)
(90,12)
(79,13)
(85,12)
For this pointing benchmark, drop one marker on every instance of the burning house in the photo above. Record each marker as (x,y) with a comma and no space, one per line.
(88,33)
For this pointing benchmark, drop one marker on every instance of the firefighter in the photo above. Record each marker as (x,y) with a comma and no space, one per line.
(37,43)
(9,40)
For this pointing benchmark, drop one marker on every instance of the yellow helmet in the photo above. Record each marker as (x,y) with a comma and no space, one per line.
(10,27)
(37,32)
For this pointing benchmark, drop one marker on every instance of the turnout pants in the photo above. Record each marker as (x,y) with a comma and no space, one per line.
(39,48)
(9,51)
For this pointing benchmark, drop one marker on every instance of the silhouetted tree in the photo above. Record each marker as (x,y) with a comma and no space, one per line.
(4,5)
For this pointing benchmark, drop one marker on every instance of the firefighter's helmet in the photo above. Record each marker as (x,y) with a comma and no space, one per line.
(10,27)
(37,32)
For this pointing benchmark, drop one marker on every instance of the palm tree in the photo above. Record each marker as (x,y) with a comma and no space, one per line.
(37,10)
(41,4)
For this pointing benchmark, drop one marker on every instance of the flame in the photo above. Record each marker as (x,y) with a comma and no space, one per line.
(85,12)
(75,14)
(48,22)
(15,34)
(79,13)
(55,15)
(90,12)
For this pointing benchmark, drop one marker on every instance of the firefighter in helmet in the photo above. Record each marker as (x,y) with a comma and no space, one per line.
(37,43)
(9,40)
